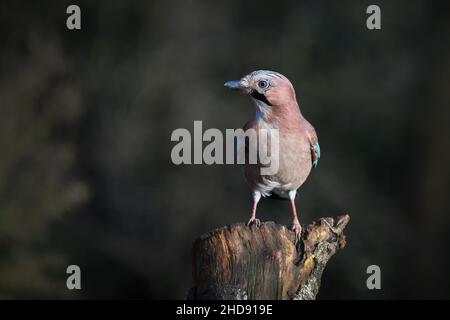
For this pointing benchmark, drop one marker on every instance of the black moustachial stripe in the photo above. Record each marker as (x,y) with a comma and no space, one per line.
(258,96)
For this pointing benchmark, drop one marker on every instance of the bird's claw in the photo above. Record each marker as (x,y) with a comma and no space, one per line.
(297,228)
(254,221)
(332,229)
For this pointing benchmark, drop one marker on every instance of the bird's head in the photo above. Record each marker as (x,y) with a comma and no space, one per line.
(269,89)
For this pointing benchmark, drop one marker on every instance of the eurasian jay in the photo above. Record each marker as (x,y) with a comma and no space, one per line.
(299,151)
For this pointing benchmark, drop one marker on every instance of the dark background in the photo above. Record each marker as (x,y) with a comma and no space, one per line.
(86,118)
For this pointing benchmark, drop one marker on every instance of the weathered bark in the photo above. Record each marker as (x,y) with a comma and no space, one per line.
(237,262)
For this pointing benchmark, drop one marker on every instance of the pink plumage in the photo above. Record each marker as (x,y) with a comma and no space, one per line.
(299,151)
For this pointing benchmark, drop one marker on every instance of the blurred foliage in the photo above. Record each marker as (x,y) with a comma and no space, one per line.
(37,183)
(86,118)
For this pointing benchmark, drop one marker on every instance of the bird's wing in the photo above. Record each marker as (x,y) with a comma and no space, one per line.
(315,147)
(315,152)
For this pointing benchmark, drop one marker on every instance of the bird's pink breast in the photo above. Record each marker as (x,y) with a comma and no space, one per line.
(295,161)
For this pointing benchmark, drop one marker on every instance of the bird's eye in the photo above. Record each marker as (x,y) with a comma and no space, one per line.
(263,84)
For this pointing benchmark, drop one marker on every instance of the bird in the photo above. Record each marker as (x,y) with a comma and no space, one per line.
(299,151)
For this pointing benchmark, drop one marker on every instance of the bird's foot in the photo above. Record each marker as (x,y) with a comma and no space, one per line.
(333,229)
(254,221)
(297,228)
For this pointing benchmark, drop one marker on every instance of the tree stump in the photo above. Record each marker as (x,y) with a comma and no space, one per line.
(237,262)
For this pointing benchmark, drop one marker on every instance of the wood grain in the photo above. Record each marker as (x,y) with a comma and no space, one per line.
(238,262)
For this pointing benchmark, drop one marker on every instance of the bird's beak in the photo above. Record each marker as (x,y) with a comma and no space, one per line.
(233,85)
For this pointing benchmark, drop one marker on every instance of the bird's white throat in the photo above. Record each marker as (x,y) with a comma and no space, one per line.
(263,110)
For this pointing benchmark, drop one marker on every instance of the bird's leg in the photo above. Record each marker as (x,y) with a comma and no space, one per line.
(296,227)
(253,220)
